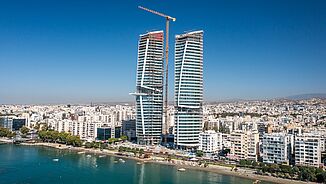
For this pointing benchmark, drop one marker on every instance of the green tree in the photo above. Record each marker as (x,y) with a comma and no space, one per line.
(111,140)
(305,175)
(226,151)
(199,153)
(273,168)
(141,151)
(88,145)
(45,127)
(255,164)
(124,138)
(63,137)
(42,135)
(54,136)
(243,162)
(77,142)
(71,140)
(4,132)
(295,169)
(24,130)
(265,169)
(285,168)
(122,149)
(321,177)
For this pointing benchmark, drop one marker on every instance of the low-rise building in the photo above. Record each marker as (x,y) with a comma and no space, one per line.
(210,142)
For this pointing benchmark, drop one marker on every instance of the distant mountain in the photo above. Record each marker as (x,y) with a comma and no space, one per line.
(306,96)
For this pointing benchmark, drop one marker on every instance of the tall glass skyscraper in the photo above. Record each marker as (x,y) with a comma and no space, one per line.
(188,89)
(149,88)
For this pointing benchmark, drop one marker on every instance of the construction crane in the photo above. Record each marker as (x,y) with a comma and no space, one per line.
(167,18)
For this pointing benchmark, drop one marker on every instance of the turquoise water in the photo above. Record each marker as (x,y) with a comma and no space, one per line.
(35,165)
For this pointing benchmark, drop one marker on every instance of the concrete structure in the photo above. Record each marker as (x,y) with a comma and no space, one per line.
(277,148)
(244,145)
(188,89)
(6,122)
(210,142)
(12,122)
(308,148)
(149,88)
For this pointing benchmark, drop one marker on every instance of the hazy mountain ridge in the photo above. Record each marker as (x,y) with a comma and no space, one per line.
(306,96)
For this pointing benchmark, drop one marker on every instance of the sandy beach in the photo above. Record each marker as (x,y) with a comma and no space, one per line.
(244,173)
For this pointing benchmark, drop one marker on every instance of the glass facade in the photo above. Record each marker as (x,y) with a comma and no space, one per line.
(17,124)
(149,88)
(188,89)
(103,133)
(117,132)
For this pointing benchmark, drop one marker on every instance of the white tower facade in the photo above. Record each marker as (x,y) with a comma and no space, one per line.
(188,89)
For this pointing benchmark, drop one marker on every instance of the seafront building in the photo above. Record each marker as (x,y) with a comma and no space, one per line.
(210,142)
(13,122)
(129,129)
(188,89)
(277,148)
(244,145)
(308,149)
(86,129)
(149,88)
(235,120)
(87,122)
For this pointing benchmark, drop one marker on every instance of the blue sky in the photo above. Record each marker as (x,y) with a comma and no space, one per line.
(60,51)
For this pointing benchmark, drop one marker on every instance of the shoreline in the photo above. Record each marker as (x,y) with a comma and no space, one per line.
(223,170)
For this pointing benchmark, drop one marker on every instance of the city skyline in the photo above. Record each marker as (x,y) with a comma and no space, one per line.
(55,53)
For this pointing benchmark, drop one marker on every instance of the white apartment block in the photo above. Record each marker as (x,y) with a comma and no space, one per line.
(277,148)
(210,142)
(308,148)
(244,145)
(85,130)
(85,126)
(63,125)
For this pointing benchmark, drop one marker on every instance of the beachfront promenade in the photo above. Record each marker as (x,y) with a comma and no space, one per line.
(155,155)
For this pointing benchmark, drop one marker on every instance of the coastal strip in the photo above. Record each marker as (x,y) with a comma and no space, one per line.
(243,173)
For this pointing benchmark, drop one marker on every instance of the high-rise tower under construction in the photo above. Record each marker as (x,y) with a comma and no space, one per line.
(149,88)
(188,89)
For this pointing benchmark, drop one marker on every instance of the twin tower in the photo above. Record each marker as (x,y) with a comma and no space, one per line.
(188,87)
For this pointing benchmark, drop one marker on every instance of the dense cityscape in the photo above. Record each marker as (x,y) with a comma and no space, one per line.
(284,132)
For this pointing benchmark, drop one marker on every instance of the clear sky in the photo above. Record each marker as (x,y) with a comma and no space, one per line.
(60,51)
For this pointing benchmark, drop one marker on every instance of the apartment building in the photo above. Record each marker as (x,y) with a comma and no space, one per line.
(244,145)
(277,148)
(308,148)
(210,142)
